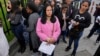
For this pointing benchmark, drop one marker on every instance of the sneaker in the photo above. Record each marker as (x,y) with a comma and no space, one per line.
(86,37)
(67,49)
(96,33)
(19,50)
(73,54)
(97,42)
(64,41)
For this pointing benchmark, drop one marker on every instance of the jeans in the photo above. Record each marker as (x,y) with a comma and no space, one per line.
(64,34)
(98,38)
(18,32)
(26,35)
(76,41)
(98,31)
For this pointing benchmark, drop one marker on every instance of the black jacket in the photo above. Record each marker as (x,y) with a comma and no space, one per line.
(71,9)
(56,10)
(83,19)
(25,15)
(60,17)
(97,12)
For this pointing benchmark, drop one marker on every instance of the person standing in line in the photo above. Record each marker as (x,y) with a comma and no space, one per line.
(14,16)
(4,46)
(95,27)
(48,27)
(39,5)
(34,41)
(55,7)
(80,19)
(70,9)
(63,22)
(97,13)
(55,10)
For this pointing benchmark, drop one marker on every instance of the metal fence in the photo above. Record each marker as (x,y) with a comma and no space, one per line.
(6,24)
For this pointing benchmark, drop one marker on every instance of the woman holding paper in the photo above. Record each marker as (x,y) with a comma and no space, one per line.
(48,27)
(14,16)
(80,20)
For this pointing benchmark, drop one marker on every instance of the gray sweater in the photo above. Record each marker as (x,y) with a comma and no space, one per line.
(32,20)
(14,18)
(17,19)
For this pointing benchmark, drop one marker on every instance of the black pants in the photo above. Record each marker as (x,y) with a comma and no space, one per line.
(18,32)
(98,38)
(94,28)
(31,46)
(97,53)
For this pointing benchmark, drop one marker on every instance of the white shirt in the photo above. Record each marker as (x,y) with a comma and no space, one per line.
(64,25)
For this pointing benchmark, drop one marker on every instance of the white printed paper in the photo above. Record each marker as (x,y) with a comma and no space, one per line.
(46,48)
(70,27)
(98,19)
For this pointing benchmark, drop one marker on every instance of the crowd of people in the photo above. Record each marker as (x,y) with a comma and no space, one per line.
(50,21)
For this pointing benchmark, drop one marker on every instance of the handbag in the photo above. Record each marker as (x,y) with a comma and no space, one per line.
(74,33)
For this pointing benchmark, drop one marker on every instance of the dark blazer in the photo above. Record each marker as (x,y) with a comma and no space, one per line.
(60,16)
(70,10)
(83,19)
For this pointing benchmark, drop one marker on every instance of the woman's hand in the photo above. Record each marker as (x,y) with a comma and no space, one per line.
(76,24)
(50,40)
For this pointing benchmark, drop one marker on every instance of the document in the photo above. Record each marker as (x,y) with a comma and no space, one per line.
(46,48)
(70,26)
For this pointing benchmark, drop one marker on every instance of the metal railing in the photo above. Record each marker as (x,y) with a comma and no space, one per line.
(6,24)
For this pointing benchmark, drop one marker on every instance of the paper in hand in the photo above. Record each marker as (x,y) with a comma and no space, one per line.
(46,48)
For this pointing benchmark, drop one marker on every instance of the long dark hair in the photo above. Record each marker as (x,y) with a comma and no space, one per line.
(15,5)
(89,3)
(32,6)
(44,16)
